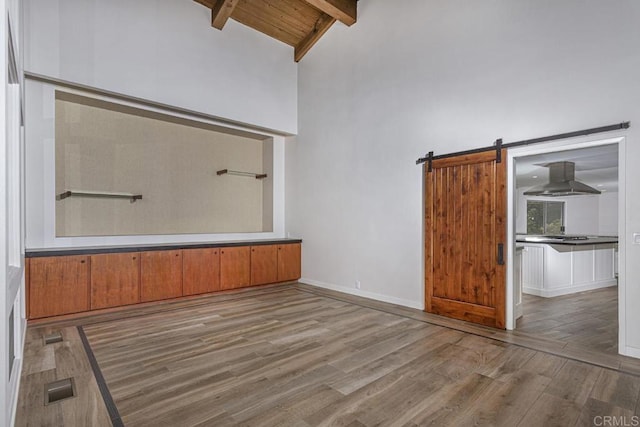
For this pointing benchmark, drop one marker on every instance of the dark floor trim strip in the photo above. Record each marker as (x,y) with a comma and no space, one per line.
(479,334)
(102,384)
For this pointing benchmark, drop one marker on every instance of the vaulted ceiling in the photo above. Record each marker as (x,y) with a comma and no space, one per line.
(298,23)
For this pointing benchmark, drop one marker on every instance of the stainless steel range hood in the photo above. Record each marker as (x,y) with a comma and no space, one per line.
(561,182)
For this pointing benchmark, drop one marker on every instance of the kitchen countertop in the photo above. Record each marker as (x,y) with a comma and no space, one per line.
(590,240)
(86,250)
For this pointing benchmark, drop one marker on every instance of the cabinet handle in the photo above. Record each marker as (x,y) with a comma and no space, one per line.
(82,262)
(500,254)
(134,257)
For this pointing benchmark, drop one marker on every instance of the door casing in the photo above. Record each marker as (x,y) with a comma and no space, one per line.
(559,146)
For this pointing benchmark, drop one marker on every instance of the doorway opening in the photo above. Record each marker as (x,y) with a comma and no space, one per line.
(565,283)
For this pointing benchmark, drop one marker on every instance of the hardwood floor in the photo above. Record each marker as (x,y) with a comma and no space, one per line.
(304,357)
(47,363)
(587,319)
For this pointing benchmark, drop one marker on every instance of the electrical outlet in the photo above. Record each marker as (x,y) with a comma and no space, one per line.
(357,284)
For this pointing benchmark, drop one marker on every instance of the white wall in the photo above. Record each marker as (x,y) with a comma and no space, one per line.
(591,215)
(165,51)
(421,75)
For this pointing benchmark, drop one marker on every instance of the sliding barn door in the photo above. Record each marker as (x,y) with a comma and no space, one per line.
(465,225)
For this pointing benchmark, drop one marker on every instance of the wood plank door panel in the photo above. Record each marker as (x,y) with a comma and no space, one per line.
(115,280)
(264,264)
(200,271)
(465,222)
(289,258)
(58,285)
(160,275)
(235,267)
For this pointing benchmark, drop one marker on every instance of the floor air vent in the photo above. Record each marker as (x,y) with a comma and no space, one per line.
(59,390)
(53,338)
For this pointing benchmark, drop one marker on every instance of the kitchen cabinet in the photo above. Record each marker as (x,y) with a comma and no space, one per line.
(160,275)
(517,281)
(58,285)
(550,270)
(235,267)
(27,281)
(289,262)
(264,264)
(532,268)
(115,280)
(200,271)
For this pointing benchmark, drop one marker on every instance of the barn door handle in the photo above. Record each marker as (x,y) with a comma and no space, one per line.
(500,254)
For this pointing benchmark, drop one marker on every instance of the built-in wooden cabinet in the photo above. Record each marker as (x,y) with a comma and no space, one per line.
(160,275)
(235,267)
(264,264)
(289,262)
(200,271)
(58,285)
(27,281)
(115,280)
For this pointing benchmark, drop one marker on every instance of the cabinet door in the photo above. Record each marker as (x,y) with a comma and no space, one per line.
(58,285)
(161,275)
(235,267)
(264,264)
(200,271)
(532,269)
(115,280)
(289,262)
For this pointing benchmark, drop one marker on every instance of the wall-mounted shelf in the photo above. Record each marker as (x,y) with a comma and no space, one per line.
(241,173)
(100,194)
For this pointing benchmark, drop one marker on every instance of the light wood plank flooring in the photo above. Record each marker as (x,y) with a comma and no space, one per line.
(305,357)
(586,319)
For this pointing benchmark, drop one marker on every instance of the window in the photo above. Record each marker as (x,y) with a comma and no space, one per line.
(545,217)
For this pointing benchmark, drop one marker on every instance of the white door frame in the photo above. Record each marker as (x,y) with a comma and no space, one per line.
(558,146)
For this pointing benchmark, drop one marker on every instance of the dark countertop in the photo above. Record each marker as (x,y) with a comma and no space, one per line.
(590,240)
(87,250)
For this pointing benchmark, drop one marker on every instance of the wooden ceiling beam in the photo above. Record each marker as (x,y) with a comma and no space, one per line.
(221,11)
(345,11)
(321,26)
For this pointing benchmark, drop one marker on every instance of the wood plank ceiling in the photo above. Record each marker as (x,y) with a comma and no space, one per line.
(298,23)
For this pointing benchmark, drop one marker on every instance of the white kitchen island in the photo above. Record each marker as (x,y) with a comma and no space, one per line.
(551,269)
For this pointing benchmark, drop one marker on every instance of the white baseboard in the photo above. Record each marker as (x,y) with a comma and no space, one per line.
(631,352)
(360,293)
(550,293)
